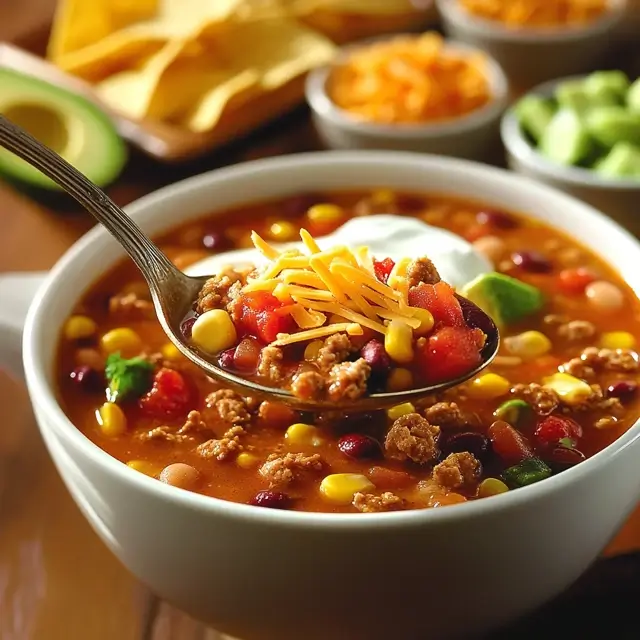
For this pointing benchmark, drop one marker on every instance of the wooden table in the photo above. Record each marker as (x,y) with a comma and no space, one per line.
(57,580)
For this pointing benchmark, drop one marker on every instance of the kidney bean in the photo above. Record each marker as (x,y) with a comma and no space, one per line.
(475,317)
(87,378)
(225,359)
(376,357)
(214,241)
(271,500)
(180,475)
(186,327)
(474,443)
(358,446)
(493,218)
(247,354)
(509,443)
(624,390)
(561,458)
(531,261)
(300,204)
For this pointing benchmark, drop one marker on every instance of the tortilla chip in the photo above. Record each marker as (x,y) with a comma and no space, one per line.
(78,23)
(129,47)
(273,51)
(363,7)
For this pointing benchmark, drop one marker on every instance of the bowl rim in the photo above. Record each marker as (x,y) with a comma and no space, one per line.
(52,418)
(519,147)
(452,10)
(323,106)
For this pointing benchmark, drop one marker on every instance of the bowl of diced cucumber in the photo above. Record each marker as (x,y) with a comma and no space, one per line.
(582,135)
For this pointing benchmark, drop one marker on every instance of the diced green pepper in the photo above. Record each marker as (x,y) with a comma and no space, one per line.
(513,411)
(127,378)
(527,472)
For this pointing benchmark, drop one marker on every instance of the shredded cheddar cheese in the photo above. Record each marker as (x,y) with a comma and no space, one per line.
(332,291)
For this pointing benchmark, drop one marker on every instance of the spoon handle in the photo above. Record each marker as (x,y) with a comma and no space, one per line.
(153,264)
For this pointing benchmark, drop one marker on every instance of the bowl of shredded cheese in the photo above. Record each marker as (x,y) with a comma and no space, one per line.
(536,40)
(412,93)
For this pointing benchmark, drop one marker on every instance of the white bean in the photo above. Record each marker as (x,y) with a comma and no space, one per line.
(179,475)
(604,296)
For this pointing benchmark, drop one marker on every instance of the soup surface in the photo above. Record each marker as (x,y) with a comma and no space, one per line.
(562,388)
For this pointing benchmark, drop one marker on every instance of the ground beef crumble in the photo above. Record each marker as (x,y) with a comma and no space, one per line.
(270,365)
(446,415)
(593,359)
(230,406)
(369,503)
(223,448)
(422,270)
(412,437)
(457,470)
(308,385)
(576,330)
(281,470)
(193,425)
(128,306)
(348,380)
(336,349)
(215,293)
(543,401)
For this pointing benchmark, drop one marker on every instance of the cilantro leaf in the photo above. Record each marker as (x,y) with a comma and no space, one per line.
(128,379)
(567,443)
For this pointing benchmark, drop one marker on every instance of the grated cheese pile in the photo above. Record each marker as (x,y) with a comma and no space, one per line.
(332,291)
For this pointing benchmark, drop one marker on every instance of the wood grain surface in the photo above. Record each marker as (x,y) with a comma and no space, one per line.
(57,580)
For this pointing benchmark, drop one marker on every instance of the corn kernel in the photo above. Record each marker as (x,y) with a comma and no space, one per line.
(383,196)
(247,461)
(79,327)
(426,321)
(399,379)
(123,340)
(528,345)
(341,487)
(171,352)
(214,331)
(398,342)
(111,419)
(617,340)
(312,349)
(301,434)
(400,410)
(325,213)
(488,386)
(144,466)
(571,390)
(282,231)
(491,487)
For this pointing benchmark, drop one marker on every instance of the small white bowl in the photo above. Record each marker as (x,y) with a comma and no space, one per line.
(531,56)
(617,197)
(473,136)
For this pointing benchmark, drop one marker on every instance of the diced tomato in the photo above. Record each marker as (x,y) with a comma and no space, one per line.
(440,300)
(552,429)
(389,478)
(382,269)
(509,443)
(169,397)
(575,281)
(262,317)
(449,353)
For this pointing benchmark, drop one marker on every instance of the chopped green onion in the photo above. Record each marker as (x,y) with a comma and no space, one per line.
(526,472)
(566,443)
(513,411)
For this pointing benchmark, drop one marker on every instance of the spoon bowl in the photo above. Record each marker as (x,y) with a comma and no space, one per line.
(173,292)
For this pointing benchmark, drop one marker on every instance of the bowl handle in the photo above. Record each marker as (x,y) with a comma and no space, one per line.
(17,290)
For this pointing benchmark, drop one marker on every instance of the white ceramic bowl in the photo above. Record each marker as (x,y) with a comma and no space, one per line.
(617,198)
(262,574)
(474,136)
(531,56)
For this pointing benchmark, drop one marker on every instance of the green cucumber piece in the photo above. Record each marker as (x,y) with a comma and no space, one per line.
(534,114)
(610,125)
(566,140)
(633,97)
(623,161)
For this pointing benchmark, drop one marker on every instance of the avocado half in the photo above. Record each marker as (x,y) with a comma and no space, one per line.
(67,123)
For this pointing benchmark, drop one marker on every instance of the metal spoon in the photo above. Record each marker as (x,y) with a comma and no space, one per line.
(173,292)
